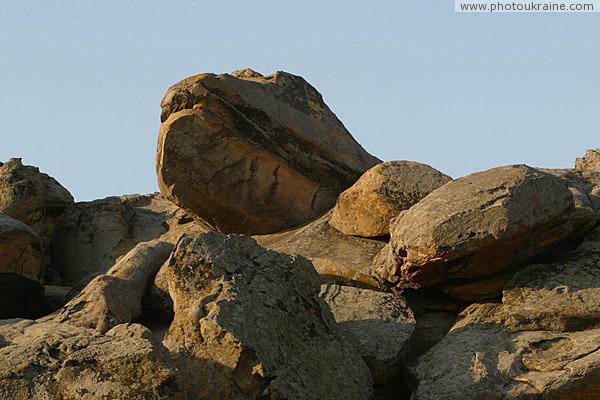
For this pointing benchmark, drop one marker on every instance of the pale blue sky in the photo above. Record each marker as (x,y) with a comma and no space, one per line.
(81,81)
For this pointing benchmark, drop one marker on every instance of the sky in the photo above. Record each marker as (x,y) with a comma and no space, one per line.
(82,81)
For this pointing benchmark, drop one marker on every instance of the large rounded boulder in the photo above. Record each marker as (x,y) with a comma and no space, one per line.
(478,226)
(382,193)
(253,154)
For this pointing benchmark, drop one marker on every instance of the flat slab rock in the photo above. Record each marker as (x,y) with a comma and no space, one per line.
(254,154)
(380,325)
(482,359)
(337,257)
(249,323)
(478,226)
(381,193)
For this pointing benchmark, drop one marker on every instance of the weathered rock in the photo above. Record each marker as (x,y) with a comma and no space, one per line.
(91,236)
(585,187)
(249,323)
(479,289)
(381,194)
(253,154)
(88,350)
(379,325)
(562,296)
(51,360)
(21,270)
(21,194)
(32,197)
(481,359)
(116,297)
(338,258)
(591,160)
(478,226)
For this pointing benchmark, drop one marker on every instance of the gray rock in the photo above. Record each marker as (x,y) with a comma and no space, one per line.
(481,359)
(477,226)
(91,236)
(50,360)
(116,297)
(89,349)
(249,323)
(379,325)
(252,154)
(561,296)
(381,193)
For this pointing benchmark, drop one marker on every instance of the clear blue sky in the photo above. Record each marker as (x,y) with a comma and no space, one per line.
(81,81)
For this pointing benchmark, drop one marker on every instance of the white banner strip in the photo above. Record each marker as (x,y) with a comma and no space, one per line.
(495,6)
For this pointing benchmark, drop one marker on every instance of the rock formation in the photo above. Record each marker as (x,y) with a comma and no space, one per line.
(479,226)
(379,325)
(91,236)
(381,194)
(249,323)
(591,160)
(253,154)
(32,197)
(21,270)
(405,285)
(337,257)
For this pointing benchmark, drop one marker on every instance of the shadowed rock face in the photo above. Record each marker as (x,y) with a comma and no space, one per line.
(21,270)
(379,325)
(478,226)
(91,236)
(249,323)
(252,154)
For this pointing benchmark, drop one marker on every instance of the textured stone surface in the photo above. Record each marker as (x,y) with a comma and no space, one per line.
(336,257)
(252,154)
(381,193)
(561,296)
(22,194)
(51,360)
(591,160)
(478,226)
(89,349)
(91,236)
(585,187)
(32,197)
(481,359)
(116,297)
(21,270)
(378,324)
(479,289)
(249,323)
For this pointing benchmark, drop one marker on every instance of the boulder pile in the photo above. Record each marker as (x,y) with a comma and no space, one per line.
(282,261)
